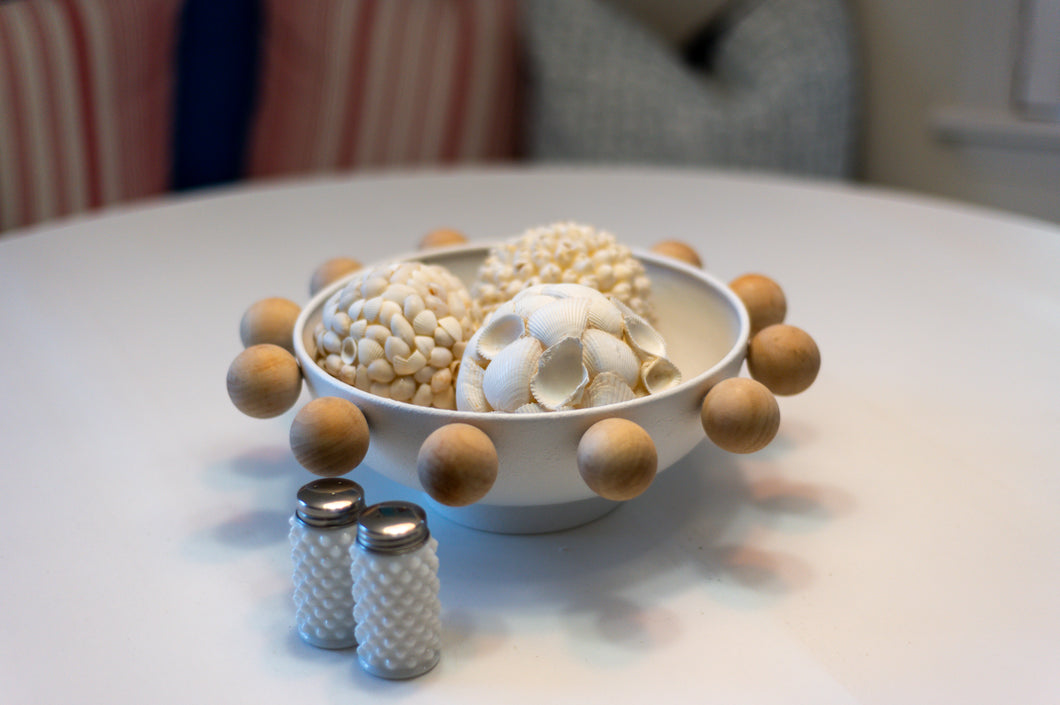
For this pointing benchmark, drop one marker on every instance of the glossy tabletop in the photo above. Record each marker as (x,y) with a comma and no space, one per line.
(898,542)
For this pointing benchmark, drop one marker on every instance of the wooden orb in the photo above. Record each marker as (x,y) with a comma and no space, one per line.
(264,381)
(332,271)
(678,250)
(270,321)
(740,415)
(329,436)
(784,358)
(617,459)
(442,237)
(764,299)
(457,464)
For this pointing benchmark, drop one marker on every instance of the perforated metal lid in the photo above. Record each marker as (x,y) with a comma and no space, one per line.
(392,527)
(330,502)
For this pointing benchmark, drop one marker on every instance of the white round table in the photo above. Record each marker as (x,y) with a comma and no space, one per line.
(898,543)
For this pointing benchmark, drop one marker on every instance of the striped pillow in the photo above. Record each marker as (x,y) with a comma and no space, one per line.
(85,97)
(370,83)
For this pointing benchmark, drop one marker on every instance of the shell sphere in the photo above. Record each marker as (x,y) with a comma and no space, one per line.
(331,271)
(264,381)
(764,299)
(784,358)
(329,436)
(457,464)
(269,320)
(740,415)
(617,459)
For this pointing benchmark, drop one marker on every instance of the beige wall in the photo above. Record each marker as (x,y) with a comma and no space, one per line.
(938,80)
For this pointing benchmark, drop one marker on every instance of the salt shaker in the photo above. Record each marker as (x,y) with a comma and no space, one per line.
(323,528)
(395,587)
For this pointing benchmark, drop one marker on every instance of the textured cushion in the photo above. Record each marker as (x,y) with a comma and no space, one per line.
(85,98)
(367,83)
(777,90)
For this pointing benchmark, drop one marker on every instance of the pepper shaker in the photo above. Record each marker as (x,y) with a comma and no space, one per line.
(395,587)
(323,528)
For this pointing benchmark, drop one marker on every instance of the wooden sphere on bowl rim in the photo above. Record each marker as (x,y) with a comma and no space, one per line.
(269,321)
(457,464)
(329,436)
(763,298)
(617,459)
(264,381)
(442,237)
(784,358)
(678,250)
(740,415)
(331,271)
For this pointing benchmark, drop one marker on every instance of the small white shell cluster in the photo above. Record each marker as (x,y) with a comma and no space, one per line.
(566,252)
(561,346)
(398,331)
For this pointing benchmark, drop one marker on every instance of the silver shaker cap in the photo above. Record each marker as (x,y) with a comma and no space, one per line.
(392,527)
(330,502)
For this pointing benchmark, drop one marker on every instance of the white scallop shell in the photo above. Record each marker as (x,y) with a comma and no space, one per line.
(531,408)
(498,333)
(425,322)
(561,377)
(645,340)
(606,316)
(469,394)
(603,353)
(563,318)
(368,351)
(659,374)
(608,388)
(411,364)
(506,382)
(527,302)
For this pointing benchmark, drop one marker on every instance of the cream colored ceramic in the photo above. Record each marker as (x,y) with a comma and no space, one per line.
(538,486)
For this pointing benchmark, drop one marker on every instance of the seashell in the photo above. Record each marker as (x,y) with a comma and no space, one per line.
(381,371)
(452,327)
(358,328)
(531,408)
(607,317)
(377,332)
(659,374)
(561,377)
(424,374)
(368,351)
(340,323)
(645,340)
(506,382)
(361,380)
(395,347)
(424,344)
(401,328)
(402,388)
(525,306)
(425,322)
(469,394)
(497,334)
(604,353)
(331,342)
(387,310)
(373,286)
(423,396)
(370,311)
(348,353)
(608,388)
(563,318)
(412,306)
(435,304)
(398,293)
(440,357)
(354,309)
(409,365)
(457,309)
(441,380)
(504,309)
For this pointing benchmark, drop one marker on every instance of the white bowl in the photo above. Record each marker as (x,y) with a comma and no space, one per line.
(538,487)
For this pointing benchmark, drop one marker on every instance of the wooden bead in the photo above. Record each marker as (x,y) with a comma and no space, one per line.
(457,464)
(329,436)
(442,237)
(264,381)
(678,250)
(269,321)
(764,299)
(740,415)
(332,271)
(617,459)
(784,358)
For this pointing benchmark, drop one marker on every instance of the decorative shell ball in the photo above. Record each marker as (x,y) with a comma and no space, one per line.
(568,253)
(561,346)
(398,331)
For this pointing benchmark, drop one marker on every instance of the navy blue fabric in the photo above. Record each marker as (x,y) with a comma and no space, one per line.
(217,69)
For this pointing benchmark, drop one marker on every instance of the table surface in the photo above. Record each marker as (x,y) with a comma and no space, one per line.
(898,542)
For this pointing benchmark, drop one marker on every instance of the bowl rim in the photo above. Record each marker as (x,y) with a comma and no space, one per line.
(310,366)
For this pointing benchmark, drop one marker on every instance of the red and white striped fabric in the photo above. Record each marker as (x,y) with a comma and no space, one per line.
(85,104)
(371,83)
